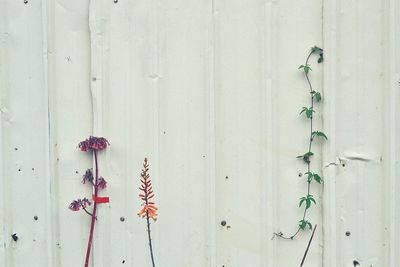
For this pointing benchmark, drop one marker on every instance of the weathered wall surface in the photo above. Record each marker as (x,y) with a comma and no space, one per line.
(209,91)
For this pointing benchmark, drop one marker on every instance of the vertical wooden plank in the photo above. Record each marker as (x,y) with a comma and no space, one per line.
(155,65)
(71,122)
(299,28)
(329,151)
(238,132)
(130,114)
(241,84)
(392,123)
(356,33)
(25,125)
(3,72)
(184,132)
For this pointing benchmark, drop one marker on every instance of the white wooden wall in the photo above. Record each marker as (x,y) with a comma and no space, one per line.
(209,90)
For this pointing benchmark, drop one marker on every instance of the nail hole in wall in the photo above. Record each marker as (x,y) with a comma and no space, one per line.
(14,237)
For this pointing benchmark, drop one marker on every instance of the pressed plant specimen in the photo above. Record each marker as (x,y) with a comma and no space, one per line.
(92,145)
(315,96)
(148,210)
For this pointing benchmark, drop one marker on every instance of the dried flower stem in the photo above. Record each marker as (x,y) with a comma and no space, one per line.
(149,209)
(308,246)
(85,210)
(93,221)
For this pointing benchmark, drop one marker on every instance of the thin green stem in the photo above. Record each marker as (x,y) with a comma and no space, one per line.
(281,235)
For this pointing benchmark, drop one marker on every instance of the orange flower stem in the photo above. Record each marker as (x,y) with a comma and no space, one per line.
(89,247)
(149,235)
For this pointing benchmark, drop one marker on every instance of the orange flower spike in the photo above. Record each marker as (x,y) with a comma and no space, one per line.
(146,188)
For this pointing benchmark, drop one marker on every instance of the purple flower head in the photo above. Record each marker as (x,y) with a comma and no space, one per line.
(94,143)
(88,176)
(79,203)
(101,183)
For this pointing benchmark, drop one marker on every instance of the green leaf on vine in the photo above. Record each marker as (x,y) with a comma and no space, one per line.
(309,199)
(304,223)
(306,157)
(308,111)
(313,176)
(320,134)
(317,178)
(318,51)
(306,68)
(318,96)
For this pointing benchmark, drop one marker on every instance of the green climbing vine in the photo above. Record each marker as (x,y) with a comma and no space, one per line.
(308,200)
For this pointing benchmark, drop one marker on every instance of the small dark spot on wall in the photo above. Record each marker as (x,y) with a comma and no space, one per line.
(356,263)
(343,165)
(223,222)
(25,2)
(226,177)
(76,172)
(348,233)
(115,1)
(35,218)
(33,169)
(16,148)
(19,170)
(300,174)
(122,219)
(14,237)
(123,261)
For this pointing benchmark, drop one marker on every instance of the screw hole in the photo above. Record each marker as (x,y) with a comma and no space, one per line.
(223,223)
(36,218)
(122,219)
(14,237)
(25,2)
(348,233)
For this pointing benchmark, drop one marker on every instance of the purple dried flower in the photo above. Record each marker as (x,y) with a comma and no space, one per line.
(101,183)
(88,176)
(79,203)
(94,143)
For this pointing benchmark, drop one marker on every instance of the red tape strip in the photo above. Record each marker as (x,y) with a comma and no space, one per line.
(100,199)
